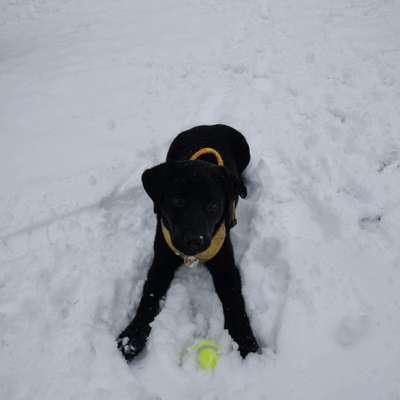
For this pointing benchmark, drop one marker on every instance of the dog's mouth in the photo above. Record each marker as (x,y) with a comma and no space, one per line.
(192,244)
(184,244)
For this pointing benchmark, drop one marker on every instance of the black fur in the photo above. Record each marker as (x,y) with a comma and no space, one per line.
(192,198)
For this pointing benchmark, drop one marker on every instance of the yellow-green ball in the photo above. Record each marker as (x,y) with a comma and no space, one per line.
(207,354)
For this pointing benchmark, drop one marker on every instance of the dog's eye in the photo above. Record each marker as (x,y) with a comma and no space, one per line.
(212,207)
(178,201)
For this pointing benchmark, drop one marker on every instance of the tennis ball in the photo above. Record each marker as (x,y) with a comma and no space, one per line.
(207,354)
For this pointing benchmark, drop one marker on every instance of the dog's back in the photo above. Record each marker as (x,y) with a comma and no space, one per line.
(230,143)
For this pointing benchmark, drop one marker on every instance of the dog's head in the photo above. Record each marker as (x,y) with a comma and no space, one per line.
(192,198)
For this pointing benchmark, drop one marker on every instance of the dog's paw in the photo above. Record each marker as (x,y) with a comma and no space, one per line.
(127,348)
(131,342)
(249,346)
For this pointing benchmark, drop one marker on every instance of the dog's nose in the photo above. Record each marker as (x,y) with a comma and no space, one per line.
(194,243)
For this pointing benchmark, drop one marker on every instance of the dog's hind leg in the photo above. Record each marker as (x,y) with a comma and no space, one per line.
(227,282)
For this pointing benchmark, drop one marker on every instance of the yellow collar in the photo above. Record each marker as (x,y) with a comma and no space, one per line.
(216,243)
(208,150)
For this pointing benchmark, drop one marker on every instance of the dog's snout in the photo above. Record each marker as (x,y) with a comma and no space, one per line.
(195,243)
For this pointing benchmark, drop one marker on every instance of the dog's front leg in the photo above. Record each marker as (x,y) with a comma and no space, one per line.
(133,339)
(227,282)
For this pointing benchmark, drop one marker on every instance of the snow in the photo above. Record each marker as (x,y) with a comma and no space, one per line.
(93,92)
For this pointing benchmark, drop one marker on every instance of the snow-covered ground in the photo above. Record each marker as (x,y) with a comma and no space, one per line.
(92,92)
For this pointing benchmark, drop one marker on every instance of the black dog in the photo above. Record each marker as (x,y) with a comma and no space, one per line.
(195,193)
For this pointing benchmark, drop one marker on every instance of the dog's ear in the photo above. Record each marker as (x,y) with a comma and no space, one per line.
(233,184)
(240,149)
(234,187)
(155,181)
